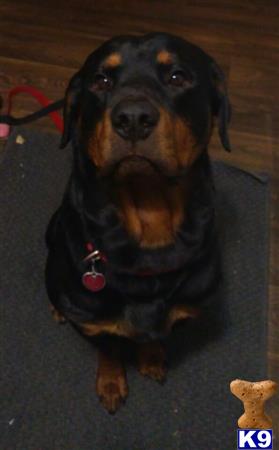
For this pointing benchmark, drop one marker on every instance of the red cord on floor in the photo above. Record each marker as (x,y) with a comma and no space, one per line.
(41,98)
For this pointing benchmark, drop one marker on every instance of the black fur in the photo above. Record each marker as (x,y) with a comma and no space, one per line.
(188,270)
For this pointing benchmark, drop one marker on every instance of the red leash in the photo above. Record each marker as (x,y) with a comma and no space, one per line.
(40,97)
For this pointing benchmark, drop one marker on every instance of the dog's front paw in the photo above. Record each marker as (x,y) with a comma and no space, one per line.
(152,361)
(112,392)
(111,383)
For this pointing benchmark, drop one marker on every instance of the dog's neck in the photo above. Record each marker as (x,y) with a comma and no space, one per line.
(151,209)
(89,196)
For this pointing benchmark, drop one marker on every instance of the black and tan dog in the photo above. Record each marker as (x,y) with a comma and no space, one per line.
(132,248)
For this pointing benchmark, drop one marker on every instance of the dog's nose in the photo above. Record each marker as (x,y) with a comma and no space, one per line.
(134,119)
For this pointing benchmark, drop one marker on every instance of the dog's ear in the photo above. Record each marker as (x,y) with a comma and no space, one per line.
(221,104)
(70,113)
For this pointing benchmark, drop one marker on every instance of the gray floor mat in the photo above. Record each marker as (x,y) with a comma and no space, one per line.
(48,399)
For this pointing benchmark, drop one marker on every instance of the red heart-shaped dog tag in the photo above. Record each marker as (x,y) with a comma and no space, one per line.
(93,281)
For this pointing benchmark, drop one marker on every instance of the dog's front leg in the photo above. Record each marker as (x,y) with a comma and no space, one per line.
(111,383)
(151,360)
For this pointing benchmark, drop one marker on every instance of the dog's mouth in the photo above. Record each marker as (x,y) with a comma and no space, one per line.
(141,179)
(135,166)
(140,166)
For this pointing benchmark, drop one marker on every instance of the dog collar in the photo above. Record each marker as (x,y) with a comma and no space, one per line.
(95,281)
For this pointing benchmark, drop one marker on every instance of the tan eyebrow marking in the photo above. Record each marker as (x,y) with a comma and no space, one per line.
(113,60)
(164,57)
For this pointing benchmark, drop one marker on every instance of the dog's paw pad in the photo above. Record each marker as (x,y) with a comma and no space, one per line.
(112,393)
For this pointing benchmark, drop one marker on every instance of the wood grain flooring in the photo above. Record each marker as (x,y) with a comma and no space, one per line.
(43,43)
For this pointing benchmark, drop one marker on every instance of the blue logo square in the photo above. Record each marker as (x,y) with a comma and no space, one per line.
(256,439)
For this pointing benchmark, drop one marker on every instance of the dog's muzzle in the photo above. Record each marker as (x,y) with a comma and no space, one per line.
(134,119)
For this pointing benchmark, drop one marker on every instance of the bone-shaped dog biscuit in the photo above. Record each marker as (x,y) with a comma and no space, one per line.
(253,396)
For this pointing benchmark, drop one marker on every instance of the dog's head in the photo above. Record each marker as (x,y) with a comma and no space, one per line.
(146,102)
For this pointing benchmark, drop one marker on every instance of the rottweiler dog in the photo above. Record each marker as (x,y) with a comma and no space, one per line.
(133,247)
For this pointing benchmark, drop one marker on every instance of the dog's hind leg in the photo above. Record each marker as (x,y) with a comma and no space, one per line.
(151,360)
(57,316)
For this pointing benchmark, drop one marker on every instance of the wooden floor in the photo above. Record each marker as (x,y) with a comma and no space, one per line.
(43,43)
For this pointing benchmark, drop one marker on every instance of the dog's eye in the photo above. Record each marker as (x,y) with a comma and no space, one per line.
(180,78)
(102,82)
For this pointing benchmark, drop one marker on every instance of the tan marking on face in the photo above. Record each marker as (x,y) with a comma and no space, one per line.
(99,145)
(176,141)
(164,57)
(113,60)
(165,140)
(187,150)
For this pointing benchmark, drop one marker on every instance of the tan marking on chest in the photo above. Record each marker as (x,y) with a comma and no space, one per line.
(150,210)
(117,327)
(180,312)
(124,328)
